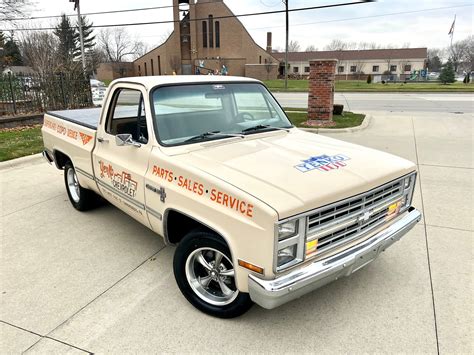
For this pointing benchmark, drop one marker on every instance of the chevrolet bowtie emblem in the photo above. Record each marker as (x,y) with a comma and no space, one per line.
(365,217)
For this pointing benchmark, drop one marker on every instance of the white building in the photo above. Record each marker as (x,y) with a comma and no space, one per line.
(357,64)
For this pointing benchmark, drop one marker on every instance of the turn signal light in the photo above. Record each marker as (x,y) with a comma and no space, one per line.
(251,267)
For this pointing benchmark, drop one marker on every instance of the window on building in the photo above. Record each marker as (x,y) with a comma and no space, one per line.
(393,68)
(139,71)
(204,34)
(340,69)
(218,34)
(159,65)
(408,67)
(211,31)
(296,70)
(260,60)
(151,66)
(146,73)
(375,68)
(353,68)
(306,69)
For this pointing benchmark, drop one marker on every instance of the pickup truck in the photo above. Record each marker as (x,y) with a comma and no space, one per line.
(259,210)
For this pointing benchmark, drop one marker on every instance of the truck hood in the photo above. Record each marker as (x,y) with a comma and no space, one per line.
(297,171)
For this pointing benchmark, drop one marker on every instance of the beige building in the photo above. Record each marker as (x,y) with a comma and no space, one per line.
(205,38)
(357,64)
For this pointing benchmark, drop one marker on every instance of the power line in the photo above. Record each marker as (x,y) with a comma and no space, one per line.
(366,17)
(204,19)
(90,13)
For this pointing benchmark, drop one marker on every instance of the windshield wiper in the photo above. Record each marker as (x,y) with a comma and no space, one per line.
(263,126)
(212,134)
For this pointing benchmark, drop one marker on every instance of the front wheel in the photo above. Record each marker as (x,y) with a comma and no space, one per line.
(82,199)
(205,274)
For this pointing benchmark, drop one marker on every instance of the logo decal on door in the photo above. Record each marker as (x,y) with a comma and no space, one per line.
(121,181)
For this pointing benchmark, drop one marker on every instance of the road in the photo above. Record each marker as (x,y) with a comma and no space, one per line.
(391,102)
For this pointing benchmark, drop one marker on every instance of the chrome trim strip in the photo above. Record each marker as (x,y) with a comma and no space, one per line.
(154,213)
(85,173)
(273,293)
(121,194)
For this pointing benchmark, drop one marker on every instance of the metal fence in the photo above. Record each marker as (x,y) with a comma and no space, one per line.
(38,93)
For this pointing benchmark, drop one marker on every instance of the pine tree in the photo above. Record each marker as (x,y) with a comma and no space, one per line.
(447,73)
(68,38)
(87,36)
(11,52)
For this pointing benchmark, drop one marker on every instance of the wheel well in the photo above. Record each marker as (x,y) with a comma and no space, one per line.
(179,224)
(61,159)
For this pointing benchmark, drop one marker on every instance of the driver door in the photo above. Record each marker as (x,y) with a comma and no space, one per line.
(119,166)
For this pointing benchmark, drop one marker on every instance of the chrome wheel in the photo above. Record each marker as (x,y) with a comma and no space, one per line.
(73,185)
(210,273)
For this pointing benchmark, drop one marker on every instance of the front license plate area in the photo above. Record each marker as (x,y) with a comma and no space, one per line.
(365,259)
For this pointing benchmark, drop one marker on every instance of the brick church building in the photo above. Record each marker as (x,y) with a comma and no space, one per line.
(205,38)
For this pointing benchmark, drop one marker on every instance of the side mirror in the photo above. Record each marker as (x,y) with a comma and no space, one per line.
(126,139)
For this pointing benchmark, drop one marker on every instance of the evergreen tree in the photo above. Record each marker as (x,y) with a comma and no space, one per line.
(447,73)
(68,38)
(87,35)
(11,53)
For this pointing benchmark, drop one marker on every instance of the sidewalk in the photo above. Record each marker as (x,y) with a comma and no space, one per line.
(100,282)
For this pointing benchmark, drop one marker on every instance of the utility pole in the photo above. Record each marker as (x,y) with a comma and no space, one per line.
(81,37)
(286,45)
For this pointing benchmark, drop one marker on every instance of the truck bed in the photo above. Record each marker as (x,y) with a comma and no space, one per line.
(87,117)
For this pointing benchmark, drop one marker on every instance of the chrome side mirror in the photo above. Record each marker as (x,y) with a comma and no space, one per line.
(126,139)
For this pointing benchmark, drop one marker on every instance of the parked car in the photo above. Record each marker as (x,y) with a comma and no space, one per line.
(260,211)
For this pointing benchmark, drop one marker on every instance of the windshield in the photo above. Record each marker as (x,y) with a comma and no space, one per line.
(196,113)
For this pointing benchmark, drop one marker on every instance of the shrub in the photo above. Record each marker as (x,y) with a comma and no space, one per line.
(369,79)
(337,109)
(383,81)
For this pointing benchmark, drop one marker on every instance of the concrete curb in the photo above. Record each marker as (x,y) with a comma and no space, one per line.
(365,123)
(20,162)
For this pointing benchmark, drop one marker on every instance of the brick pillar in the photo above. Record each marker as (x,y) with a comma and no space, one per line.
(321,91)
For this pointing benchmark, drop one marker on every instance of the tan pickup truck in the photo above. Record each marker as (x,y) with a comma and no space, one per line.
(260,211)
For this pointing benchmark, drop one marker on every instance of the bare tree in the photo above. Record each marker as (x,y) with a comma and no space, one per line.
(294,46)
(311,48)
(469,53)
(10,10)
(340,45)
(368,45)
(117,44)
(277,49)
(457,53)
(39,50)
(268,66)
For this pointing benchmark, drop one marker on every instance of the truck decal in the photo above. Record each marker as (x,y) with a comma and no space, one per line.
(323,163)
(67,132)
(121,181)
(199,189)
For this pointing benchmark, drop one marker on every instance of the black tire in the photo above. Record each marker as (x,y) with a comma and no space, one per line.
(83,199)
(196,242)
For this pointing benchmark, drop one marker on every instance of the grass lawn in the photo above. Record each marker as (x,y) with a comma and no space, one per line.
(19,142)
(362,86)
(349,119)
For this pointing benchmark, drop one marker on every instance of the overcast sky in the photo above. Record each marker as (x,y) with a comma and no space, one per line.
(427,28)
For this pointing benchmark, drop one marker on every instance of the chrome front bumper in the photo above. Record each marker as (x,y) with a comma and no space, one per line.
(273,293)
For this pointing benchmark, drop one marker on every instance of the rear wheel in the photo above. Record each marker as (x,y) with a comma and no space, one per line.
(205,274)
(82,199)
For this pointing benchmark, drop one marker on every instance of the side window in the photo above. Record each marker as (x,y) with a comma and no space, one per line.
(127,115)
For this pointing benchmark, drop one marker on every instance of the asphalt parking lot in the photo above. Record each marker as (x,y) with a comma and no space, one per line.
(99,282)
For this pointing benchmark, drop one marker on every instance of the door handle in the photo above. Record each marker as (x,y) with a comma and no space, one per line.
(102,140)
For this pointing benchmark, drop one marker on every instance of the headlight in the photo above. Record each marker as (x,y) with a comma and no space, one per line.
(286,255)
(287,229)
(408,187)
(290,238)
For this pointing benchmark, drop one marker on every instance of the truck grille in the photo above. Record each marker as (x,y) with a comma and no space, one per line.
(349,219)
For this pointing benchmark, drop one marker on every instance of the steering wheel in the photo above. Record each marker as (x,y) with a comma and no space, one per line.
(245,116)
